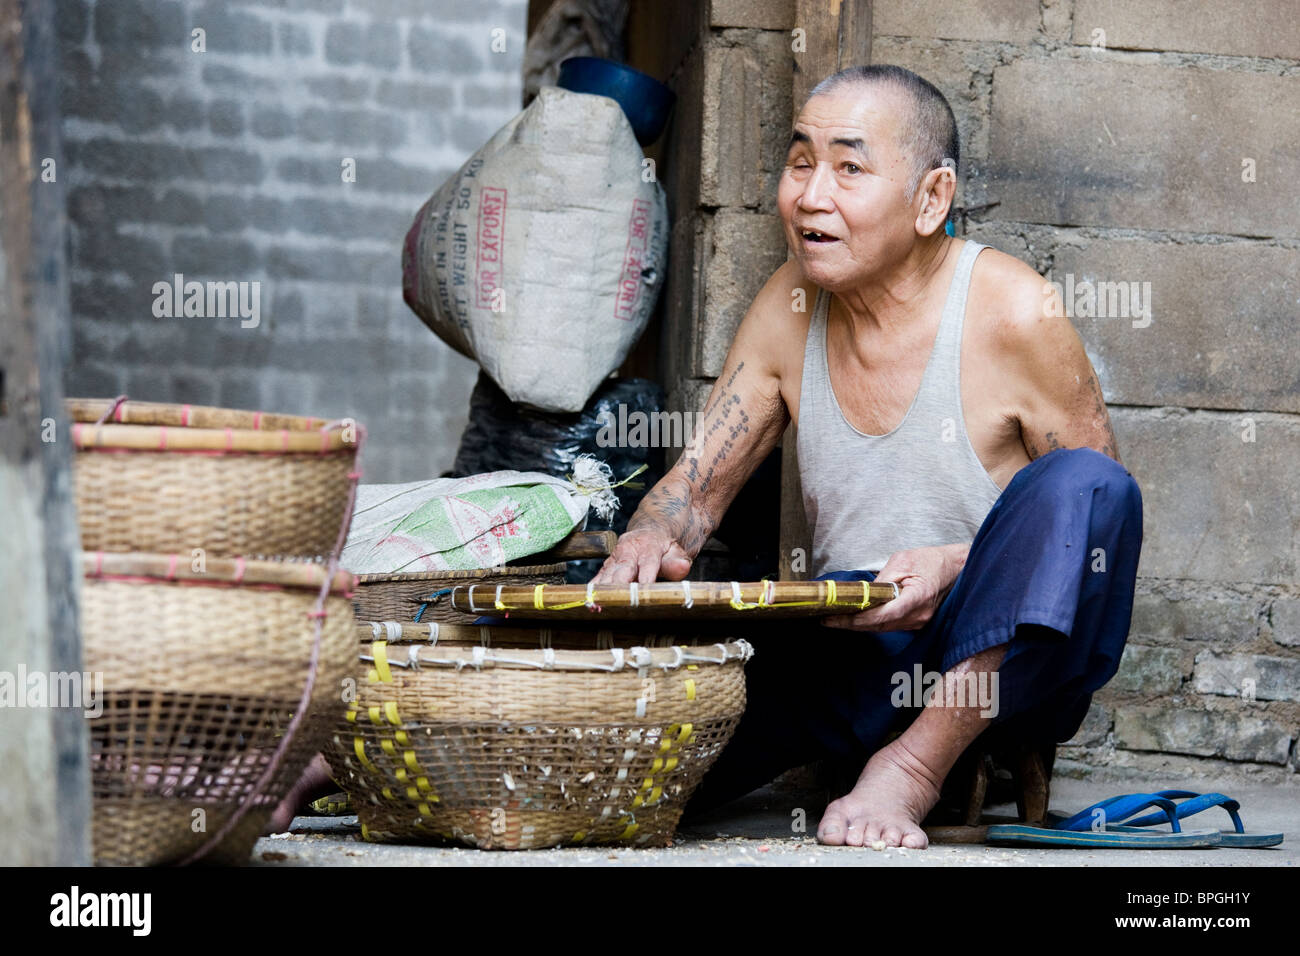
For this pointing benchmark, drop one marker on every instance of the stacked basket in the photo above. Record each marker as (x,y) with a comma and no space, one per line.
(522,738)
(213,608)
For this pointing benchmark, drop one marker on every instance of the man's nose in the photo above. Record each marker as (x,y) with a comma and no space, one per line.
(816,195)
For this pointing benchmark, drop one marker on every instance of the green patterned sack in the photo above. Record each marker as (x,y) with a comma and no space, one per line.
(483,521)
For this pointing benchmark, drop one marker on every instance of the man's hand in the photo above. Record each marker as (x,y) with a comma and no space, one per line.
(642,556)
(924,577)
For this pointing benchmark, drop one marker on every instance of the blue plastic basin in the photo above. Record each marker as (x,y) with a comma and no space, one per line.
(646,102)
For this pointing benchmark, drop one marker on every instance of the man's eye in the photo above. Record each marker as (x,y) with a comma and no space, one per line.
(852,168)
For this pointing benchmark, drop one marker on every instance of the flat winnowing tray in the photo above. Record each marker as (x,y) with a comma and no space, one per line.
(672,599)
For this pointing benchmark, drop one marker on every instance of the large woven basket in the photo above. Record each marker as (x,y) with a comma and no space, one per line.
(426,595)
(526,743)
(156,477)
(203,672)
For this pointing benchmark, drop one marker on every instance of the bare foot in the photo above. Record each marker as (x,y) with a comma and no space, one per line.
(314,782)
(887,804)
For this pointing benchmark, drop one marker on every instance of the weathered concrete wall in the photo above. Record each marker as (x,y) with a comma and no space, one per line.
(227,165)
(44,764)
(1148,144)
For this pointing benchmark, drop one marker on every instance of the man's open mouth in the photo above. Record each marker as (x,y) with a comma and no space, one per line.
(812,235)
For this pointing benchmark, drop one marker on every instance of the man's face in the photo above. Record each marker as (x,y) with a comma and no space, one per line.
(841,194)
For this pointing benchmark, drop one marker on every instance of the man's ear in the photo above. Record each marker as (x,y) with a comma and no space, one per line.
(934,197)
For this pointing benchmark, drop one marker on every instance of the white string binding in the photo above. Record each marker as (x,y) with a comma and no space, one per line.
(591,603)
(632,594)
(686,590)
(472,608)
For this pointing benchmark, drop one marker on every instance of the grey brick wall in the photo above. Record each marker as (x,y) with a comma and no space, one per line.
(227,165)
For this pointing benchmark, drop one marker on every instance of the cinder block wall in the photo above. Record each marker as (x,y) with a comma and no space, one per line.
(1117,141)
(227,165)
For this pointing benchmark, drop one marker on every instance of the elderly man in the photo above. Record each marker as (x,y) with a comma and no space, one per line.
(952,439)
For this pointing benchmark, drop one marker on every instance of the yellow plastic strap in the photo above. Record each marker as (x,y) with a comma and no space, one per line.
(830,593)
(381,661)
(537,596)
(627,834)
(866,596)
(402,739)
(690,688)
(374,715)
(390,711)
(410,760)
(358,745)
(686,732)
(580,836)
(671,764)
(387,746)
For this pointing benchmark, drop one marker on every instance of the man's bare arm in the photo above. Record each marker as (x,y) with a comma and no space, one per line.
(1057,395)
(740,425)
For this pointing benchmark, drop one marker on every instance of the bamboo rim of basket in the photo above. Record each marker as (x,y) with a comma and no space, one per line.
(706,597)
(414,577)
(145,567)
(128,412)
(611,660)
(109,424)
(436,633)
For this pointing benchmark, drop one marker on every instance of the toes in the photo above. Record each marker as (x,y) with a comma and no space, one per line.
(857,832)
(915,839)
(892,835)
(833,829)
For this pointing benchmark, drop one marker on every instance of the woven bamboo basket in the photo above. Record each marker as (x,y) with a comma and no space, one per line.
(151,477)
(203,672)
(523,742)
(425,596)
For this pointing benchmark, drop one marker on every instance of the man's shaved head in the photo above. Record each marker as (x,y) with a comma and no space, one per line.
(932,136)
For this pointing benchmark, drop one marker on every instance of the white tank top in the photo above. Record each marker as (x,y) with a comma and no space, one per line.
(867,496)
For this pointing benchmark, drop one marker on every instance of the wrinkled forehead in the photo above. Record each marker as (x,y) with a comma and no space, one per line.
(871,113)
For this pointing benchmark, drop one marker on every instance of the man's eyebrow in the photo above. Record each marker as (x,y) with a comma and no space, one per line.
(852,142)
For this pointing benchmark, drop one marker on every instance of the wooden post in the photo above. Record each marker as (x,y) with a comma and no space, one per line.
(837,34)
(44,771)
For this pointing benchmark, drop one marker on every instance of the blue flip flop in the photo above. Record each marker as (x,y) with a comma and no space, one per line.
(1093,827)
(1193,803)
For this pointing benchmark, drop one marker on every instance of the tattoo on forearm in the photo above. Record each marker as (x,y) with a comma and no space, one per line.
(1109,445)
(669,508)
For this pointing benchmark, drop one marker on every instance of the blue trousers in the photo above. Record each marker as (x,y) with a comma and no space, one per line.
(1050,574)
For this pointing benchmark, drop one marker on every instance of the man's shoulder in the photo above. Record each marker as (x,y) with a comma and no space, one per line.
(1010,302)
(779,315)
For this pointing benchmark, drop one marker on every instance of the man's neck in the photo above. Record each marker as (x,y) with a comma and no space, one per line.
(894,301)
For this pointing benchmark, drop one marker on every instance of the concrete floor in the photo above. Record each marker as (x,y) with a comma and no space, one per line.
(757,831)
